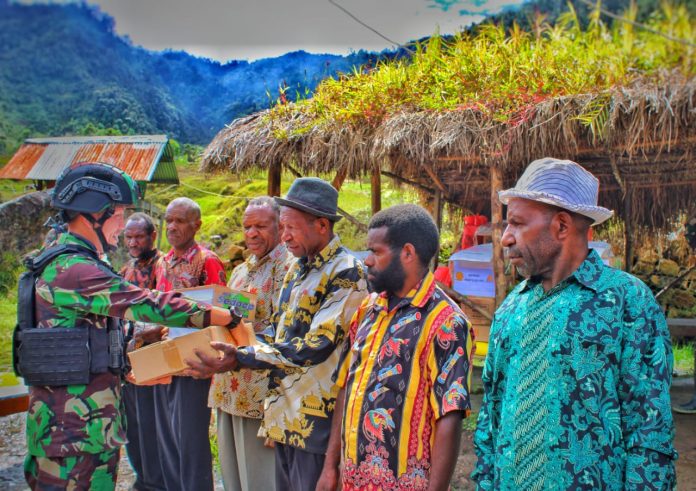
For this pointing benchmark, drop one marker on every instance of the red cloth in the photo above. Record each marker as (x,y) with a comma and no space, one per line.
(442,274)
(197,267)
(471,224)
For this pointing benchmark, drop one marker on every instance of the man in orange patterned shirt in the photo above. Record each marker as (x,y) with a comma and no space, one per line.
(238,396)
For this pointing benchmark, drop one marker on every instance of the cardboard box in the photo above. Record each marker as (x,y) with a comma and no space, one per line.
(472,271)
(167,357)
(482,326)
(221,296)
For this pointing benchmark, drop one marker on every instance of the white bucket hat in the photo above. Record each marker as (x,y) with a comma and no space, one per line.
(560,183)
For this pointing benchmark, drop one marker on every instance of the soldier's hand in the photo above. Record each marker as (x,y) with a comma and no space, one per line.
(207,365)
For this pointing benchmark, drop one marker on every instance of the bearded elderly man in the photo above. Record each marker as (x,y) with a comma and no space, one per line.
(579,364)
(238,396)
(320,293)
(142,449)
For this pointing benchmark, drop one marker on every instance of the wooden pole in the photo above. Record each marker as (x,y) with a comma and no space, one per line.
(628,229)
(437,209)
(340,177)
(497,235)
(274,176)
(376,189)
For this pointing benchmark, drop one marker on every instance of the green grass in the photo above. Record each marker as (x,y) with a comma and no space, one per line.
(684,359)
(8,318)
(502,74)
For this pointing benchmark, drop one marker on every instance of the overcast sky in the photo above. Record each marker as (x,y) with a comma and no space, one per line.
(233,29)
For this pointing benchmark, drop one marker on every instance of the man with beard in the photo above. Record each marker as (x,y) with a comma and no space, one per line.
(142,450)
(404,371)
(183,415)
(579,364)
(320,293)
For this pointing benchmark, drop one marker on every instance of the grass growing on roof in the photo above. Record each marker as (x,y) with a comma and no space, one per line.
(504,74)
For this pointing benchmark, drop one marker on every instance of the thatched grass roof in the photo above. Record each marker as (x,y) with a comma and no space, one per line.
(639,135)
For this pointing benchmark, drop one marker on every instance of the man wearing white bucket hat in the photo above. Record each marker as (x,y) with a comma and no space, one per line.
(579,365)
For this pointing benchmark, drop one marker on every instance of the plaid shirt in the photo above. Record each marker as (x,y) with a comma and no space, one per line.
(242,392)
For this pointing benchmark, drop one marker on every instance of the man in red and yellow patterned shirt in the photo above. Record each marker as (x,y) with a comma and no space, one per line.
(405,368)
(183,415)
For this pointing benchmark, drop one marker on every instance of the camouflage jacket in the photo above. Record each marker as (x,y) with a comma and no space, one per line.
(76,290)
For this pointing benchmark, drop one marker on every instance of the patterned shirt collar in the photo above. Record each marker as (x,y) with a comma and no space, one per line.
(253,262)
(187,256)
(323,256)
(588,274)
(418,296)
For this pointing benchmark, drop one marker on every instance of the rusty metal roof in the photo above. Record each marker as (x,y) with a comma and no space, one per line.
(146,158)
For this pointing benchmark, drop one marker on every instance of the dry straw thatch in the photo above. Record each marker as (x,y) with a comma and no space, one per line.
(647,143)
(622,103)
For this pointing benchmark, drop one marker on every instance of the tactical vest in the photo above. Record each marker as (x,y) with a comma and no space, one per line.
(61,355)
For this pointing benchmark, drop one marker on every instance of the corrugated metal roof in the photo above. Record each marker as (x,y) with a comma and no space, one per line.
(146,158)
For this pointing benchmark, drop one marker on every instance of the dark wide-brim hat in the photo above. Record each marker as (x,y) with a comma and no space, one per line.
(314,196)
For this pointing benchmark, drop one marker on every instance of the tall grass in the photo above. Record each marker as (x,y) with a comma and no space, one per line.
(503,74)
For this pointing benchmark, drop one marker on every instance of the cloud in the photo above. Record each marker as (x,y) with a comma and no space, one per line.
(235,29)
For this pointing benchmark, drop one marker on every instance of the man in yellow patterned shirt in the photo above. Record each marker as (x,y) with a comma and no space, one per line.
(238,396)
(320,293)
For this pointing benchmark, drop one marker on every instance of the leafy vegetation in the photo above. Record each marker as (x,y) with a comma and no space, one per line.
(503,74)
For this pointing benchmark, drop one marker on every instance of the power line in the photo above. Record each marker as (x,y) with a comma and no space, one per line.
(356,19)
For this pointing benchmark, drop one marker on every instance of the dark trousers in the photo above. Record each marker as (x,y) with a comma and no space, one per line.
(183,419)
(295,469)
(142,447)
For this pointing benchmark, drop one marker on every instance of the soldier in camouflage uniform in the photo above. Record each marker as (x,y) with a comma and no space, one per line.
(74,433)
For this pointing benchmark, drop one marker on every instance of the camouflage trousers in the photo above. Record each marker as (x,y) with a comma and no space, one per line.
(77,472)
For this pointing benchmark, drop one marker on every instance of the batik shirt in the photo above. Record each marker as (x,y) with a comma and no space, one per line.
(402,370)
(198,266)
(141,272)
(242,392)
(602,374)
(76,290)
(317,301)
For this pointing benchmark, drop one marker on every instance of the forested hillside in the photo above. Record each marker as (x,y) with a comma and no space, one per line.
(62,66)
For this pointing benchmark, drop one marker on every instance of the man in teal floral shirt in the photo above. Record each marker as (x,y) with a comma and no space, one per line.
(579,365)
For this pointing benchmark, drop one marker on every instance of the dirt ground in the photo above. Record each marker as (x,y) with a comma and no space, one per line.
(12,450)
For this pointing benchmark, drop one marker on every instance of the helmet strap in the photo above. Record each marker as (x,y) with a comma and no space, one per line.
(98,224)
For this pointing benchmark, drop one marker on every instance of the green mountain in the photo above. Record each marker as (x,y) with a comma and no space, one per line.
(62,66)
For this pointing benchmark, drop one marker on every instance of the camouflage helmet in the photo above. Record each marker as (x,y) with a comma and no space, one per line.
(91,187)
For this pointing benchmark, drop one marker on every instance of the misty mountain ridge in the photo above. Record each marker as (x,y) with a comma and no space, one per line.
(63,66)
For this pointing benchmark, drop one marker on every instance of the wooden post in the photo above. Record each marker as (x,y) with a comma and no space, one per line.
(497,235)
(340,177)
(376,189)
(628,229)
(437,209)
(274,175)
